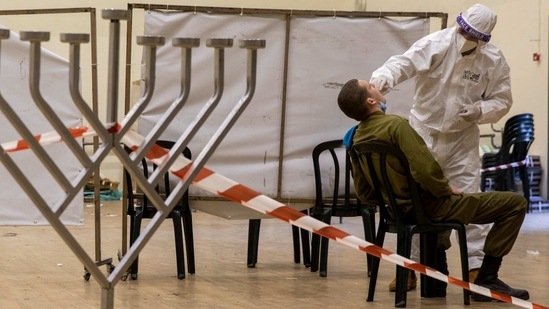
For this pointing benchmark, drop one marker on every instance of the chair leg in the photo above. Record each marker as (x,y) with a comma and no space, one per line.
(189,239)
(428,258)
(323,267)
(369,223)
(315,243)
(134,268)
(306,247)
(296,233)
(403,249)
(324,243)
(179,254)
(296,243)
(315,251)
(373,279)
(253,241)
(464,264)
(130,236)
(375,262)
(525,185)
(401,282)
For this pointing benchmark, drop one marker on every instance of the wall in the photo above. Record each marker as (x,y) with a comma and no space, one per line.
(521,31)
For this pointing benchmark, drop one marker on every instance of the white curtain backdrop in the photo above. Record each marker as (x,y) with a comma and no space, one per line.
(324,52)
(15,206)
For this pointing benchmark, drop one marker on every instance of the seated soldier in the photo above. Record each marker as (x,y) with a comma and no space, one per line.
(361,101)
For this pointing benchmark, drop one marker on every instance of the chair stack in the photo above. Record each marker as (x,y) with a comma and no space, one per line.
(516,138)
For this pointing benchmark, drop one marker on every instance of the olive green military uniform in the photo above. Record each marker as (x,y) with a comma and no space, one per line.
(506,210)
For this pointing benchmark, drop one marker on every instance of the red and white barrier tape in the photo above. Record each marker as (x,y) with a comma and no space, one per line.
(225,187)
(47,138)
(53,137)
(505,166)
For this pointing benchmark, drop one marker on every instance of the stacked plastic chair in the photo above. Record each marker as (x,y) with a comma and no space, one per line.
(516,138)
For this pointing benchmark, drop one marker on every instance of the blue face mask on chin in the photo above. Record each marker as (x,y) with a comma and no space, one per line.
(383,106)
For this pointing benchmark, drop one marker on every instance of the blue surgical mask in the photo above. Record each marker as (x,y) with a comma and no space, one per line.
(383,106)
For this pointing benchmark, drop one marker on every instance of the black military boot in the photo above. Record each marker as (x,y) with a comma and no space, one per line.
(488,278)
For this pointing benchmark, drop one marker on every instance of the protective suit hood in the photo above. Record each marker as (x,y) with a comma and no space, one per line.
(478,21)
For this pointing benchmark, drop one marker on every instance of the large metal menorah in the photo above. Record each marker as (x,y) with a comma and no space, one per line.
(113,134)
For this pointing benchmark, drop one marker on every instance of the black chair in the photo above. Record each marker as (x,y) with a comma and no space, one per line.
(336,205)
(375,159)
(517,136)
(140,207)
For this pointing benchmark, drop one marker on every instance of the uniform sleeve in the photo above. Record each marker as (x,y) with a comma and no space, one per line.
(400,68)
(424,168)
(497,99)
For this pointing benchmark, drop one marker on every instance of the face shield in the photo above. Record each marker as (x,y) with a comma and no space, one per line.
(478,21)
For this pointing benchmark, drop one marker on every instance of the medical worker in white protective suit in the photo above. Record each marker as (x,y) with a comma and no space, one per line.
(461,81)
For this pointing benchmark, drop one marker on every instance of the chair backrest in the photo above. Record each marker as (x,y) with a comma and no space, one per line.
(374,158)
(517,136)
(148,168)
(168,145)
(333,148)
(519,118)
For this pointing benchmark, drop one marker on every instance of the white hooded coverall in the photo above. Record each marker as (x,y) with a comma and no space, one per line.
(446,82)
